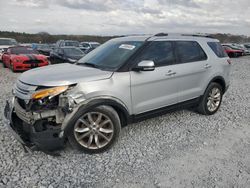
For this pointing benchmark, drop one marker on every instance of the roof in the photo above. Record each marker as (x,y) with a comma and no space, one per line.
(167,36)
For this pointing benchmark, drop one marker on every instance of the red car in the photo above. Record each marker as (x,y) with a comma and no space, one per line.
(233,52)
(21,58)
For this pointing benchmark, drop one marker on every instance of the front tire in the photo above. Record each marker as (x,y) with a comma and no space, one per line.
(95,130)
(211,100)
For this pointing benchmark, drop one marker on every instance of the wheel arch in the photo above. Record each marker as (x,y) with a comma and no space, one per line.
(220,80)
(117,106)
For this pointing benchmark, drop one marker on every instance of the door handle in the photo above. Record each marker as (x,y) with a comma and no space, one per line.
(170,73)
(207,66)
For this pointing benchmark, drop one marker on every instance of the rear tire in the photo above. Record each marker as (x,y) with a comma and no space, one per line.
(211,100)
(95,130)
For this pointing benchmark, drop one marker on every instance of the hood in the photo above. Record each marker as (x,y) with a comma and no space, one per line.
(63,74)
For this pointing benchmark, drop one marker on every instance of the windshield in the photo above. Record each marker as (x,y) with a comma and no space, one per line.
(72,43)
(95,45)
(43,46)
(8,42)
(23,50)
(73,52)
(112,54)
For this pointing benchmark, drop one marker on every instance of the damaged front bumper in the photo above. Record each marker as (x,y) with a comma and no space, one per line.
(32,129)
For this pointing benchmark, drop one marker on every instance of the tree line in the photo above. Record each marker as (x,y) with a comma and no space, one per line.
(44,37)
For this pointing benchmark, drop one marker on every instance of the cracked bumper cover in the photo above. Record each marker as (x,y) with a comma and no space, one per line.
(19,122)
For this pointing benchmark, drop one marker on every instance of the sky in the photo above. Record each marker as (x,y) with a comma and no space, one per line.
(122,17)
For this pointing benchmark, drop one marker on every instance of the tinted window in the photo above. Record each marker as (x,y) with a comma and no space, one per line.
(8,42)
(161,52)
(217,48)
(23,50)
(86,45)
(189,51)
(72,43)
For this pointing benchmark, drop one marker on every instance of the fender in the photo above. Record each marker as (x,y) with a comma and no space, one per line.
(220,80)
(92,103)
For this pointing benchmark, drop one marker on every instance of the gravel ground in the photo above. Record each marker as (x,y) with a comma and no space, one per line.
(180,149)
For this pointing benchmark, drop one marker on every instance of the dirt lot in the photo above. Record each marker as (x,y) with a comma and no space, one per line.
(180,149)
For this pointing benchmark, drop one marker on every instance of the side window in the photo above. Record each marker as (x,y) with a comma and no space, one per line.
(189,51)
(161,52)
(217,49)
(85,45)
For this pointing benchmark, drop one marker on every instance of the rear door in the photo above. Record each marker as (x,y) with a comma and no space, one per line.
(192,69)
(159,88)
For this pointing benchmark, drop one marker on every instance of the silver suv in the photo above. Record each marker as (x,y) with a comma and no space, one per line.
(124,80)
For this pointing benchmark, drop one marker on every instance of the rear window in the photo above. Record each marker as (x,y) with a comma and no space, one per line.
(189,51)
(217,49)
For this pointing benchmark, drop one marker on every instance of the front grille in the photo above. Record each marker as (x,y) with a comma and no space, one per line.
(21,113)
(23,90)
(36,61)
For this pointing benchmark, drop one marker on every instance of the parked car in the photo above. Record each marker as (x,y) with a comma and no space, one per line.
(44,49)
(66,55)
(21,58)
(233,52)
(67,43)
(247,46)
(123,81)
(6,43)
(87,47)
(241,47)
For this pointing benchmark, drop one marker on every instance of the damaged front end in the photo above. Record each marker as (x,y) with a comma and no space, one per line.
(35,115)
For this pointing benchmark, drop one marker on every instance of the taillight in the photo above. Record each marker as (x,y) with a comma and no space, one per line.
(229,61)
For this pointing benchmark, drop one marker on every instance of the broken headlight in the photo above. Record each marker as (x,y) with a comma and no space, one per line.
(50,92)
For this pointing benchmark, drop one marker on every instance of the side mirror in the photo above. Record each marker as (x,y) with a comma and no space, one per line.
(145,65)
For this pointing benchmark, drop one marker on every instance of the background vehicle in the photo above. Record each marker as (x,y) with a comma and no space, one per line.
(87,47)
(21,58)
(247,46)
(241,47)
(232,51)
(67,43)
(65,55)
(44,49)
(124,80)
(6,43)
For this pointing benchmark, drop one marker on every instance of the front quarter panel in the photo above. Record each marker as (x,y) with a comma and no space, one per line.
(116,87)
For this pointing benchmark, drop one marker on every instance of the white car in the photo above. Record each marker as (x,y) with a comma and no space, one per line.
(6,43)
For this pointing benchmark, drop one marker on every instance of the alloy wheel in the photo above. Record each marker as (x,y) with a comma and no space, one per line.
(93,130)
(214,99)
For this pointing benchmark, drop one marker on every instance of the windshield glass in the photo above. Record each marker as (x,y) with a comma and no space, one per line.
(8,42)
(43,46)
(95,45)
(73,52)
(72,43)
(23,50)
(112,54)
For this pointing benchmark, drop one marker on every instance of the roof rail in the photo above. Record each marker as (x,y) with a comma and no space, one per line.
(197,35)
(161,34)
(177,34)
